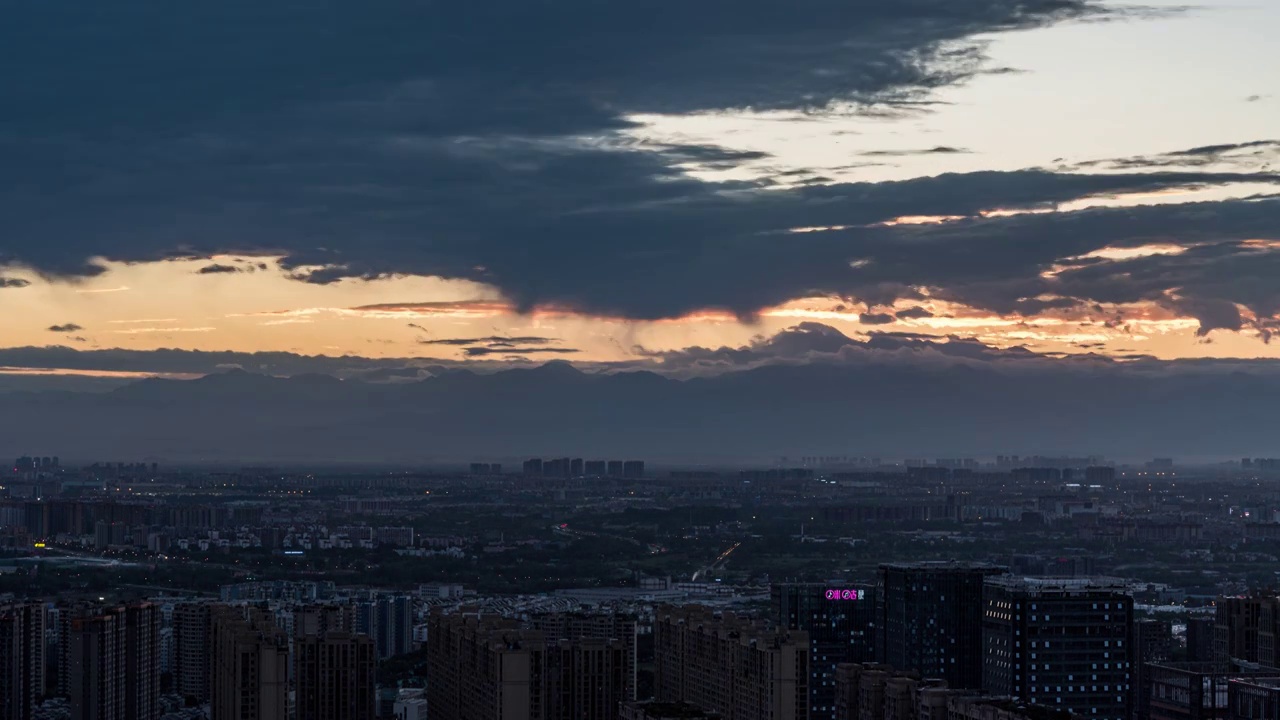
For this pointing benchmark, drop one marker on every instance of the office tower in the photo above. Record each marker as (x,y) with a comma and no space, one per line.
(1200,632)
(1199,691)
(575,467)
(1061,642)
(336,676)
(533,468)
(249,678)
(931,619)
(741,669)
(594,626)
(1256,699)
(191,636)
(1152,642)
(1245,629)
(113,660)
(484,668)
(840,621)
(22,659)
(633,469)
(615,468)
(595,468)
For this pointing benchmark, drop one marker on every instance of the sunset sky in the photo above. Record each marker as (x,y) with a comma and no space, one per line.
(509,182)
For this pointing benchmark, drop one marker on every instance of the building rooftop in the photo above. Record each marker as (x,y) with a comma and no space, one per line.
(942,565)
(1013,705)
(675,710)
(1066,585)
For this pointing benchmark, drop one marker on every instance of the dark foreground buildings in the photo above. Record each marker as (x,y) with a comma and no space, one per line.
(249,664)
(841,624)
(114,659)
(727,664)
(22,659)
(1059,642)
(931,619)
(495,668)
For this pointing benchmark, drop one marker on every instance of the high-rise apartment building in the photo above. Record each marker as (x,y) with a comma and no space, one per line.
(114,664)
(321,619)
(336,676)
(872,691)
(728,664)
(931,619)
(249,677)
(840,622)
(618,627)
(142,661)
(388,619)
(491,667)
(394,625)
(191,637)
(1060,642)
(22,659)
(484,668)
(585,678)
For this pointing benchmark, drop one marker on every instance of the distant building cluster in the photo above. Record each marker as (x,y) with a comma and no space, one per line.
(577,468)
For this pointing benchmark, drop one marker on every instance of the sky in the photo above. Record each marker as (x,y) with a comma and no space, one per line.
(632,183)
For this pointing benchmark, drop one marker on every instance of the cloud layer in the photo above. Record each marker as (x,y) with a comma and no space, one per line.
(361,141)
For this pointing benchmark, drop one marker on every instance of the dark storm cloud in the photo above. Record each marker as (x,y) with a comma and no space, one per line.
(999,264)
(506,66)
(914,313)
(65,328)
(405,137)
(8,282)
(295,126)
(517,340)
(876,318)
(217,269)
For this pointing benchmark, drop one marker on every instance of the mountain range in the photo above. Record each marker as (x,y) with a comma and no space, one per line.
(751,415)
